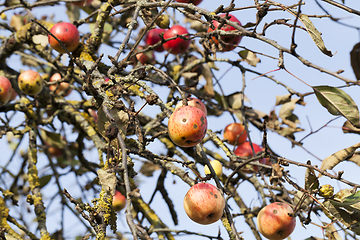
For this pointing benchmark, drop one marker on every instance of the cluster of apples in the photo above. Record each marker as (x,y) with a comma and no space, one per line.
(235,134)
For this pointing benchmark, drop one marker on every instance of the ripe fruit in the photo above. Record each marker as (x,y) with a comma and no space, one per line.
(274,222)
(30,82)
(204,203)
(119,201)
(187,126)
(153,37)
(145,57)
(177,45)
(67,33)
(233,40)
(235,131)
(5,90)
(195,102)
(62,87)
(195,2)
(245,150)
(216,165)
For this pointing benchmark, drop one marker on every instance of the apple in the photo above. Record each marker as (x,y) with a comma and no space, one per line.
(187,126)
(5,90)
(58,88)
(93,114)
(67,33)
(153,37)
(13,95)
(195,102)
(274,221)
(54,151)
(245,150)
(147,57)
(195,2)
(163,21)
(119,201)
(233,40)
(177,45)
(30,82)
(204,204)
(235,131)
(217,166)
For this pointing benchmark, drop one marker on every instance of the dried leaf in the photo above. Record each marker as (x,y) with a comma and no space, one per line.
(207,74)
(235,100)
(107,181)
(249,57)
(349,128)
(287,109)
(355,60)
(311,181)
(335,158)
(355,158)
(282,99)
(149,168)
(349,219)
(337,102)
(315,34)
(331,233)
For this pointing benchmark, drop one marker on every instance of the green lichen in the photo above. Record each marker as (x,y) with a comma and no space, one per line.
(4,213)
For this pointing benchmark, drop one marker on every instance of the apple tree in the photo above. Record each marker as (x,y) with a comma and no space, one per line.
(216,109)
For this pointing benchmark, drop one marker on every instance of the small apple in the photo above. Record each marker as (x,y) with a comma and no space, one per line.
(187,126)
(233,132)
(119,201)
(195,2)
(274,221)
(54,151)
(179,44)
(5,90)
(204,204)
(163,21)
(145,57)
(195,102)
(245,150)
(93,114)
(216,165)
(58,88)
(30,82)
(231,41)
(67,33)
(153,37)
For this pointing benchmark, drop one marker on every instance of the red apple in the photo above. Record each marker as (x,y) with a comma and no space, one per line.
(195,102)
(5,90)
(187,126)
(153,37)
(147,57)
(58,88)
(177,45)
(54,151)
(30,82)
(195,2)
(204,204)
(235,131)
(245,150)
(67,33)
(274,221)
(233,40)
(119,201)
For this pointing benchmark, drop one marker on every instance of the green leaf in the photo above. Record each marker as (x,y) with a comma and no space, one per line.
(52,139)
(45,180)
(337,102)
(315,34)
